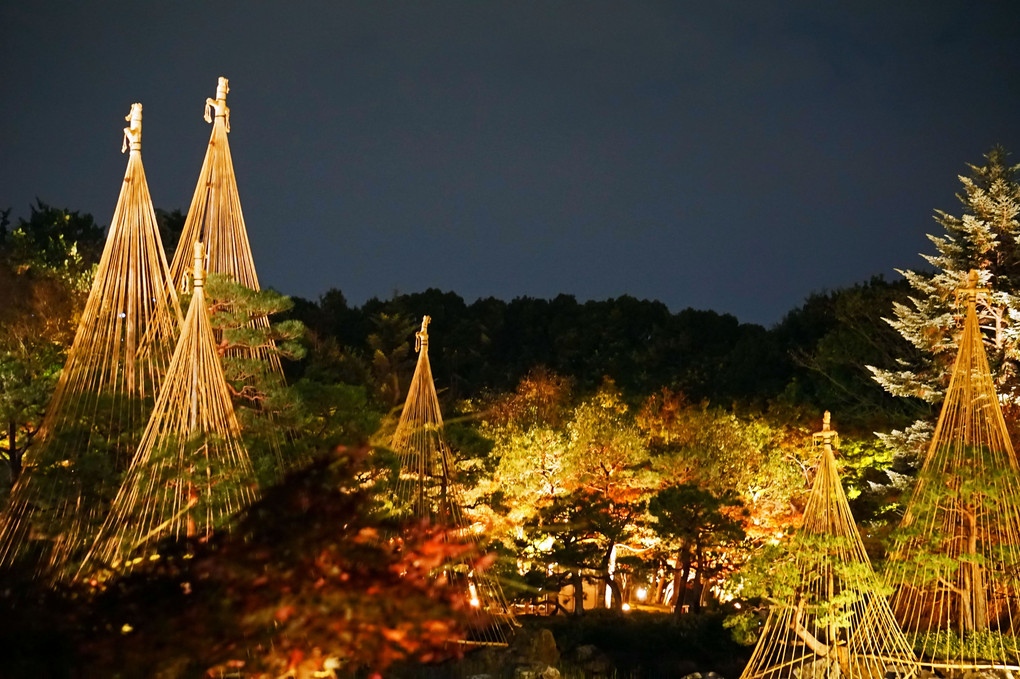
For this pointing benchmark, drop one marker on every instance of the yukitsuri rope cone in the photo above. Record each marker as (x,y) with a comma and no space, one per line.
(215,216)
(190,472)
(955,560)
(837,622)
(215,219)
(113,371)
(426,488)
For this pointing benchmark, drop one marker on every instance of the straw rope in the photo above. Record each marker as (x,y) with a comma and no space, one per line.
(837,622)
(190,472)
(956,560)
(427,489)
(102,399)
(215,219)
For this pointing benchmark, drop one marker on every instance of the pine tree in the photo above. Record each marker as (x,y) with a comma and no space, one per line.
(987,238)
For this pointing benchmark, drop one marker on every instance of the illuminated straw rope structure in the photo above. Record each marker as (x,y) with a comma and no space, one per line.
(427,488)
(955,564)
(190,472)
(215,219)
(114,368)
(837,623)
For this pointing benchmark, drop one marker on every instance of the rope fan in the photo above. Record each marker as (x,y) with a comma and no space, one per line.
(426,488)
(190,472)
(113,370)
(955,561)
(831,618)
(215,219)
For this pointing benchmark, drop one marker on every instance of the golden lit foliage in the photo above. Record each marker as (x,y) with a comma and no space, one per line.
(761,460)
(542,398)
(605,451)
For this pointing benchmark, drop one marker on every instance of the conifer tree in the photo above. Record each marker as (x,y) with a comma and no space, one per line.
(985,237)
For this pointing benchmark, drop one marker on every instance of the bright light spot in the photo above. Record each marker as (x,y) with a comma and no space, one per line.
(122,314)
(626,608)
(475,603)
(736,605)
(126,629)
(641,593)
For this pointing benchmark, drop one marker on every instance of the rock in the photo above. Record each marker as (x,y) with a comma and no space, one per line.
(535,671)
(591,661)
(536,646)
(485,662)
(819,669)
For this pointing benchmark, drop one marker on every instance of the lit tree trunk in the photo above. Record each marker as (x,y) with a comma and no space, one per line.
(698,583)
(837,654)
(660,584)
(974,608)
(681,575)
(614,586)
(578,583)
(192,528)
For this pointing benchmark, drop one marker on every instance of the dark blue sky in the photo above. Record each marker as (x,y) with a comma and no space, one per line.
(734,156)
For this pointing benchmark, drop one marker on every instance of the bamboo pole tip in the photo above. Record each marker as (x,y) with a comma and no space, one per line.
(972,289)
(133,132)
(827,434)
(218,107)
(421,338)
(199,275)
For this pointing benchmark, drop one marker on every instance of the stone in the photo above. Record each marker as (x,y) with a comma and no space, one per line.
(536,645)
(593,662)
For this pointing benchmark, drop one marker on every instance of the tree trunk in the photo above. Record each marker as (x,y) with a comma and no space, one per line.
(578,583)
(614,587)
(660,584)
(975,608)
(698,585)
(683,573)
(13,455)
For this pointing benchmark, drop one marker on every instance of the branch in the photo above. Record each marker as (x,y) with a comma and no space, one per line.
(811,640)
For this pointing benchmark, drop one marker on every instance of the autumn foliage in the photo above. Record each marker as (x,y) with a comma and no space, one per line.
(311,577)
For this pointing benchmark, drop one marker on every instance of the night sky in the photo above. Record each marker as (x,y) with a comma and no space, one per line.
(733,156)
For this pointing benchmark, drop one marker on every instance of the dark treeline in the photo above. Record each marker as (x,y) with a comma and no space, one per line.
(816,357)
